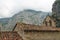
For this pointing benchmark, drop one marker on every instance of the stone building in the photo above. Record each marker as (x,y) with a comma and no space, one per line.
(36,32)
(10,35)
(49,21)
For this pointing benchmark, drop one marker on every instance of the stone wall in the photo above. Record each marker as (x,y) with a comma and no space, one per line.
(42,35)
(37,35)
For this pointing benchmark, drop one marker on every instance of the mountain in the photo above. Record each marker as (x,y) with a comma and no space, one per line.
(4,20)
(26,16)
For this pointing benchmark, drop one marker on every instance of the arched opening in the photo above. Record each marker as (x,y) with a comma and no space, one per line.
(50,22)
(46,23)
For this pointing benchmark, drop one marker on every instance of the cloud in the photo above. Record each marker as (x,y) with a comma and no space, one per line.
(9,6)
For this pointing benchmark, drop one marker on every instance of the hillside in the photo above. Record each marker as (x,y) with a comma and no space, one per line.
(26,16)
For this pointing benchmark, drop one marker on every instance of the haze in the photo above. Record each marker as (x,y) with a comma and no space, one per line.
(10,7)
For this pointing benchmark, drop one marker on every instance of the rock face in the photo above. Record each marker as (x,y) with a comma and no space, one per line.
(56,12)
(56,9)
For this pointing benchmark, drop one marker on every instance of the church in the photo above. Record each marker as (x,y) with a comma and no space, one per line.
(49,21)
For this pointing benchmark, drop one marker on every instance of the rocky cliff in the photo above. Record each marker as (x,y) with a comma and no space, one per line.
(56,12)
(56,9)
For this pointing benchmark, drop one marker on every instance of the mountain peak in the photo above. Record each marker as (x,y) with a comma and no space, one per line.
(30,10)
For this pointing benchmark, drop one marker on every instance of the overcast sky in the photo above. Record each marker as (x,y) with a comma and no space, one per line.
(8,7)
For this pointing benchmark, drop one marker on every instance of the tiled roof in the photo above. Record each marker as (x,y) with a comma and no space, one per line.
(8,35)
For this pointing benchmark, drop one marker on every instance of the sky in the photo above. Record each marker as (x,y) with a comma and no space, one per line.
(10,7)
